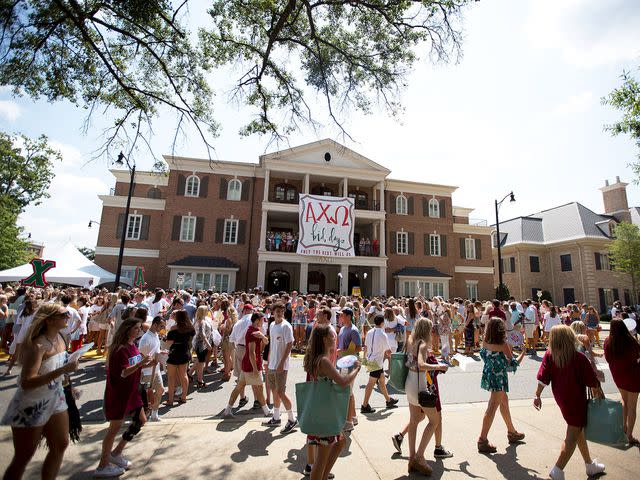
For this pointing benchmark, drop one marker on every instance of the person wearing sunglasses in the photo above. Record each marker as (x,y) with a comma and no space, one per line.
(38,407)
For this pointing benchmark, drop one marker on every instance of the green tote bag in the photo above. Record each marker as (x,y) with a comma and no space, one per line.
(322,407)
(604,422)
(398,370)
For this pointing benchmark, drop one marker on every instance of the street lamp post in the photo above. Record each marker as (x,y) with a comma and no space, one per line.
(512,198)
(132,170)
(339,283)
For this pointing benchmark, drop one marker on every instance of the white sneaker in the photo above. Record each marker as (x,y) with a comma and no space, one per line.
(556,474)
(109,471)
(594,468)
(154,417)
(178,391)
(120,461)
(348,427)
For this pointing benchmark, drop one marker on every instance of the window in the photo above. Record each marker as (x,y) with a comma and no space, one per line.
(401,205)
(472,289)
(286,193)
(434,245)
(203,281)
(133,227)
(187,280)
(192,187)
(154,192)
(409,289)
(187,229)
(602,261)
(534,263)
(221,282)
(534,292)
(569,295)
(322,190)
(470,250)
(230,231)
(234,190)
(360,199)
(438,289)
(612,229)
(434,208)
(509,265)
(565,262)
(425,289)
(127,273)
(402,243)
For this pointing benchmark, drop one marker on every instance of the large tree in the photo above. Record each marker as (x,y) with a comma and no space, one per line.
(626,98)
(14,250)
(624,253)
(136,57)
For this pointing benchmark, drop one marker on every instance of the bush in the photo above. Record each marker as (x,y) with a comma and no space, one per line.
(502,292)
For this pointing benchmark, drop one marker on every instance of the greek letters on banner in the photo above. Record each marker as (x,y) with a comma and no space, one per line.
(326,226)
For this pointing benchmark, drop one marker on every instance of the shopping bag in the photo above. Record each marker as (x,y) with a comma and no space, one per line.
(322,407)
(604,422)
(398,370)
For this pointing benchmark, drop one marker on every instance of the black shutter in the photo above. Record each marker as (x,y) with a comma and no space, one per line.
(410,206)
(603,300)
(246,185)
(462,249)
(443,213)
(616,295)
(223,188)
(443,245)
(425,207)
(219,230)
(598,261)
(512,264)
(182,181)
(199,229)
(175,231)
(427,249)
(120,225)
(242,229)
(478,249)
(204,186)
(144,229)
(411,243)
(392,204)
(392,242)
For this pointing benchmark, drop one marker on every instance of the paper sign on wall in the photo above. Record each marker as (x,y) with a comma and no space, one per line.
(326,226)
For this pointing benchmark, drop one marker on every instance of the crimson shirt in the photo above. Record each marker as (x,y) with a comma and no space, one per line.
(122,395)
(249,339)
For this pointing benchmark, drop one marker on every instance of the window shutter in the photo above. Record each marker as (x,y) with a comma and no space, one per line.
(246,185)
(175,231)
(223,188)
(425,207)
(598,261)
(120,226)
(182,180)
(478,249)
(410,205)
(427,249)
(199,228)
(603,301)
(462,248)
(616,295)
(392,241)
(219,230)
(443,212)
(443,245)
(392,204)
(512,264)
(242,229)
(144,229)
(204,186)
(411,243)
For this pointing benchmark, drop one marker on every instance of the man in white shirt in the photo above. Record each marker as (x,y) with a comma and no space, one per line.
(376,349)
(280,343)
(530,325)
(237,335)
(151,377)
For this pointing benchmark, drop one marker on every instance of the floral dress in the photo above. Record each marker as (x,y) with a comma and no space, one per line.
(494,373)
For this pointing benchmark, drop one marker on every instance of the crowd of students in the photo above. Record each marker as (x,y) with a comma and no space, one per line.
(252,335)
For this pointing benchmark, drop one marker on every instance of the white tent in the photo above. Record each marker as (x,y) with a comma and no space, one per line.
(72,267)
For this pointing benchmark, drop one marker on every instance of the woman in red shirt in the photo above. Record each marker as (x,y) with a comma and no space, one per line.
(122,396)
(622,352)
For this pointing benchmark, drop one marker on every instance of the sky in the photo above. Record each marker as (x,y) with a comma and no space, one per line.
(521,111)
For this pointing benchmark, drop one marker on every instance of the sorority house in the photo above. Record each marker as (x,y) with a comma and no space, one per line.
(235,226)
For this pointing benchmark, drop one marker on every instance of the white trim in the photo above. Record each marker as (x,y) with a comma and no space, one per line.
(142,203)
(476,270)
(142,178)
(131,217)
(405,236)
(128,252)
(470,249)
(239,190)
(233,240)
(217,269)
(196,187)
(399,201)
(419,188)
(219,167)
(182,226)
(292,257)
(433,250)
(471,229)
(462,211)
(436,203)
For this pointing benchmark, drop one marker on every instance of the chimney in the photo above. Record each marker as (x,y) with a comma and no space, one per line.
(615,201)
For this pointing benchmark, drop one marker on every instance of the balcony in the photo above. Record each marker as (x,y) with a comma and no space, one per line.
(286,241)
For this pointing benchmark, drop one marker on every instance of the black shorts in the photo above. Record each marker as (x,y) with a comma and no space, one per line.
(202,355)
(376,373)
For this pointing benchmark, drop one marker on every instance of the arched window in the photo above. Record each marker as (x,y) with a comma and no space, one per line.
(154,192)
(234,191)
(192,187)
(401,205)
(434,208)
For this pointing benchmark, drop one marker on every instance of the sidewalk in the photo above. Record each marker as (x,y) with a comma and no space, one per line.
(207,447)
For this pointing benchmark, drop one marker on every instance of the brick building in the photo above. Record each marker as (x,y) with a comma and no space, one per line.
(211,225)
(564,250)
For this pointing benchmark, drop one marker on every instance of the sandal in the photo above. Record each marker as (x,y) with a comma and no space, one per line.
(515,437)
(168,404)
(485,447)
(182,400)
(201,385)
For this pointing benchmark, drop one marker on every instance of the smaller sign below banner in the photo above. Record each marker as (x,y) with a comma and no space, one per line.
(356,292)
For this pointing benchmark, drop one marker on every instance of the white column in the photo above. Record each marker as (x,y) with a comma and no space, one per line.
(381,191)
(262,271)
(383,281)
(266,185)
(304,277)
(383,240)
(345,185)
(263,230)
(305,185)
(344,283)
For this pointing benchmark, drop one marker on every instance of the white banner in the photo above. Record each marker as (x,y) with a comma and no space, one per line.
(326,226)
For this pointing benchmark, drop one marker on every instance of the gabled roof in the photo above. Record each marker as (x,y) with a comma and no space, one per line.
(420,272)
(206,262)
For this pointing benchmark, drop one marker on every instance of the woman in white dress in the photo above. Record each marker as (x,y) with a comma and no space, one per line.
(38,407)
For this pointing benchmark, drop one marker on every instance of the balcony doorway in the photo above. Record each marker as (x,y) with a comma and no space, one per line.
(278,281)
(316,282)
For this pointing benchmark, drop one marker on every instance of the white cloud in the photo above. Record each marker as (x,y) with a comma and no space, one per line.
(70,154)
(578,103)
(587,33)
(10,110)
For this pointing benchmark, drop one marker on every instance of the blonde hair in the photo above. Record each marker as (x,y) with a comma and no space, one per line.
(579,327)
(39,323)
(562,345)
(421,331)
(201,312)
